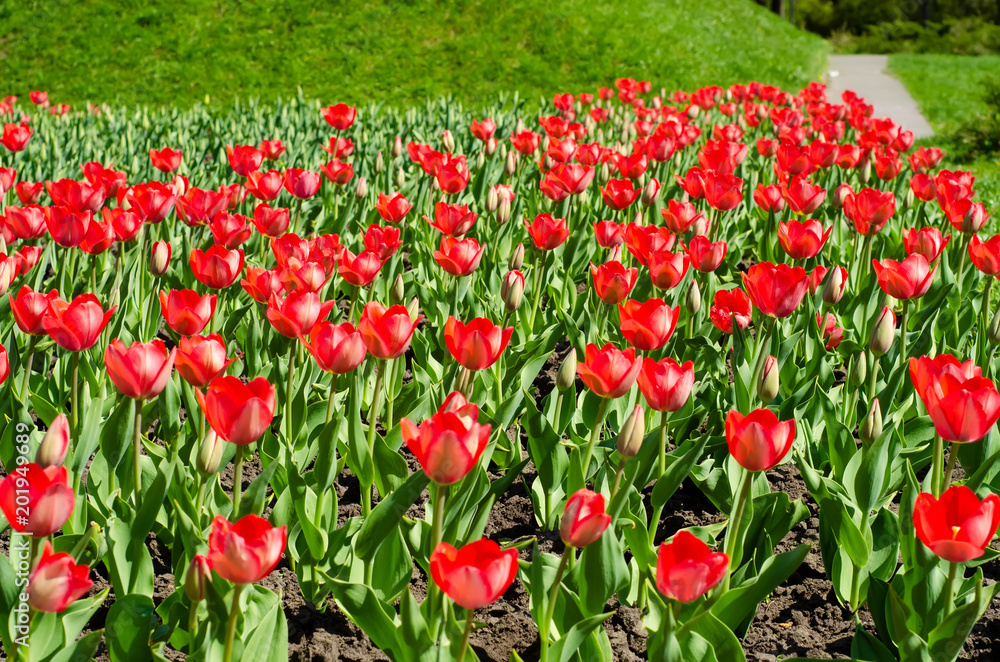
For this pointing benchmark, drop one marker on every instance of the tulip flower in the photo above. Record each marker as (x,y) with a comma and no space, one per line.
(666,385)
(619,194)
(648,326)
(392,208)
(985,254)
(384,242)
(230,230)
(359,270)
(957,527)
(608,371)
(686,568)
(337,172)
(776,289)
(667,269)
(478,344)
(574,178)
(29,193)
(269,221)
(264,186)
(452,177)
(28,222)
(15,136)
(57,581)
(387,331)
(247,551)
(802,240)
(447,445)
(244,159)
(475,575)
(769,198)
(832,333)
(758,441)
(216,267)
(340,116)
(55,444)
(29,308)
(803,197)
(923,187)
(459,257)
(704,255)
(76,325)
(200,359)
(608,234)
(643,241)
(483,130)
(239,413)
(49,499)
(909,279)
(546,232)
(926,241)
(77,196)
(289,247)
(452,220)
(126,224)
(962,403)
(337,348)
(198,206)
(152,201)
(723,191)
(141,370)
(584,520)
(262,283)
(613,282)
(869,209)
(68,227)
(187,312)
(295,315)
(167,159)
(302,184)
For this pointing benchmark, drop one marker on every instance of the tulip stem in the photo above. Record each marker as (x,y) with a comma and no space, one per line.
(654,520)
(234,611)
(192,625)
(550,606)
(949,470)
(390,365)
(936,456)
(985,312)
(868,253)
(154,314)
(137,455)
(354,303)
(366,490)
(618,479)
(537,290)
(469,613)
(74,395)
(902,334)
(594,435)
(26,385)
(329,404)
(238,480)
(733,529)
(949,590)
(872,385)
(288,396)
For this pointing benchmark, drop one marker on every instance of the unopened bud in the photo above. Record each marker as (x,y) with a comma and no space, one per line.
(379,163)
(413,308)
(650,192)
(692,303)
(859,371)
(993,334)
(566,376)
(492,200)
(836,283)
(512,290)
(199,573)
(975,218)
(480,160)
(630,437)
(866,172)
(448,140)
(502,150)
(361,188)
(510,164)
(397,147)
(159,258)
(520,125)
(210,453)
(398,292)
(908,199)
(604,174)
(693,112)
(491,146)
(503,211)
(548,163)
(701,226)
(871,427)
(767,380)
(3,246)
(55,444)
(883,332)
(840,194)
(400,178)
(516,260)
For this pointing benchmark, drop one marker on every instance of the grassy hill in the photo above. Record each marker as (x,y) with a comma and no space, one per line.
(178,52)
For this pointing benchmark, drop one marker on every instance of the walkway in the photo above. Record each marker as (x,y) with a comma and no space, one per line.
(868,76)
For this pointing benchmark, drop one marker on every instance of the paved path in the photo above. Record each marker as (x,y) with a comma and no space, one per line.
(867,75)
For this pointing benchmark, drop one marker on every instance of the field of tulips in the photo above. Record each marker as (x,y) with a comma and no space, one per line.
(673,376)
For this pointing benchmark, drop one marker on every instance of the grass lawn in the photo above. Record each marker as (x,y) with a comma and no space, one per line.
(179,52)
(948,91)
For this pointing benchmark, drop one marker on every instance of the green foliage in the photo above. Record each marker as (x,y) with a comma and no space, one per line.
(179,52)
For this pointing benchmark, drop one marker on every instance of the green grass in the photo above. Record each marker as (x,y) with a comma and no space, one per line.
(948,90)
(178,52)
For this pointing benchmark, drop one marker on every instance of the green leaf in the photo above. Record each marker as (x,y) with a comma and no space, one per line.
(739,603)
(600,572)
(129,624)
(567,645)
(387,515)
(116,437)
(269,640)
(253,499)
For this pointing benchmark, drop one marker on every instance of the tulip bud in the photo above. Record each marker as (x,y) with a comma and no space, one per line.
(503,211)
(491,146)
(840,194)
(159,259)
(650,192)
(516,260)
(677,166)
(397,147)
(510,164)
(866,172)
(448,140)
(379,163)
(3,246)
(993,334)
(413,308)
(859,371)
(767,380)
(630,437)
(548,163)
(514,293)
(883,332)
(975,218)
(693,302)
(480,160)
(361,188)
(693,112)
(520,125)
(604,174)
(638,218)
(908,199)
(502,151)
(492,200)
(198,574)
(397,292)
(400,178)
(871,427)
(210,453)
(701,225)
(833,289)
(566,376)
(55,444)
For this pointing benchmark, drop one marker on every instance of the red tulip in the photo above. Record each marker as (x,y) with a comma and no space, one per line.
(869,209)
(686,568)
(264,185)
(78,196)
(608,234)
(802,240)
(29,222)
(926,241)
(269,221)
(584,520)
(199,206)
(958,527)
(68,227)
(76,325)
(641,241)
(167,159)
(100,235)
(239,413)
(680,216)
(29,309)
(272,149)
(704,255)
(608,371)
(648,326)
(758,441)
(384,242)
(666,385)
(28,256)
(230,230)
(459,257)
(216,268)
(152,201)
(802,196)
(723,191)
(302,184)
(483,130)
(768,198)
(244,159)
(392,208)
(4,365)
(963,404)
(476,575)
(141,370)
(573,178)
(613,282)
(546,232)
(337,348)
(261,283)
(159,258)
(478,344)
(453,176)
(832,334)
(296,314)
(985,254)
(776,289)
(29,193)
(15,136)
(909,279)
(387,331)
(619,194)
(247,551)
(452,220)
(693,182)
(57,581)
(289,248)
(340,116)
(37,501)
(525,142)
(359,270)
(448,444)
(200,359)
(126,224)
(923,187)
(340,148)
(667,269)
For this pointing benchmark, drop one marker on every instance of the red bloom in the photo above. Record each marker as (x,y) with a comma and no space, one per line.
(451,219)
(870,209)
(723,191)
(337,348)
(584,520)
(758,441)
(525,142)
(548,233)
(302,184)
(453,176)
(680,216)
(802,240)
(261,283)
(476,575)
(478,344)
(78,196)
(230,230)
(216,268)
(985,254)
(29,193)
(239,413)
(126,224)
(68,227)
(29,222)
(100,235)
(686,568)
(264,185)
(923,187)
(295,315)
(76,325)
(107,178)
(776,289)
(338,173)
(832,333)
(573,178)
(50,499)
(705,256)
(340,116)
(167,159)
(667,269)
(247,551)
(289,247)
(957,527)
(459,257)
(802,196)
(926,241)
(200,359)
(270,221)
(244,159)
(909,279)
(387,331)
(199,206)
(359,270)
(448,444)
(187,312)
(272,149)
(666,385)
(727,306)
(29,308)
(57,581)
(483,130)
(15,136)
(141,370)
(384,242)
(963,405)
(152,201)
(608,234)
(619,194)
(693,182)
(613,282)
(648,326)
(609,372)
(392,208)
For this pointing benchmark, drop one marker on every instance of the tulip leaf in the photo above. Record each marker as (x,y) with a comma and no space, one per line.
(678,468)
(387,515)
(867,648)
(152,501)
(82,650)
(566,646)
(304,500)
(391,470)
(740,602)
(254,496)
(370,614)
(116,436)
(269,640)
(601,572)
(359,456)
(723,643)
(129,624)
(833,506)
(946,640)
